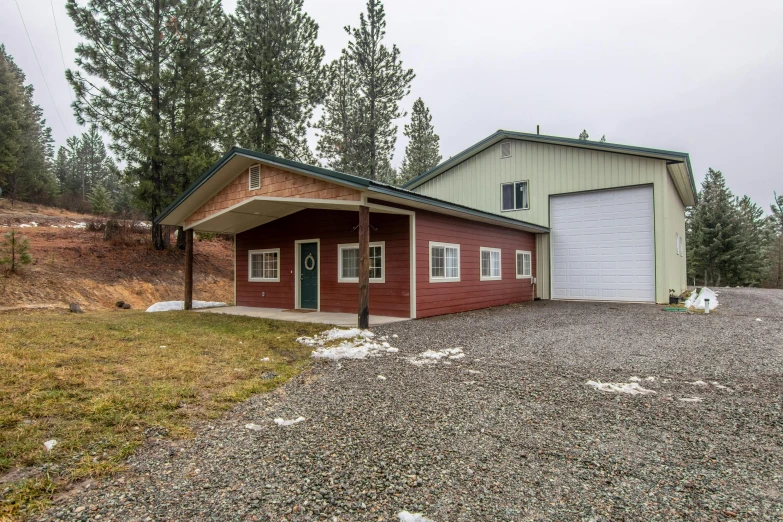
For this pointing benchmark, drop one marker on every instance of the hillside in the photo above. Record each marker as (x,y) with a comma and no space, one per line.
(72,263)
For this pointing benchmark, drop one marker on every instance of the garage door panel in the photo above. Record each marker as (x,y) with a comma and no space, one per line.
(603,245)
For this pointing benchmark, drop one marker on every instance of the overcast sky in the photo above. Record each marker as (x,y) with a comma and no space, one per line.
(699,76)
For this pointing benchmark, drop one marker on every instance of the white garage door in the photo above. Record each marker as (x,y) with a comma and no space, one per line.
(603,245)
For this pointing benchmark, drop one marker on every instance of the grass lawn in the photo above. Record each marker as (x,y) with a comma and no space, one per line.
(96,382)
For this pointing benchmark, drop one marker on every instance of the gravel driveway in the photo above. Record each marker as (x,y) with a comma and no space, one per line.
(510,431)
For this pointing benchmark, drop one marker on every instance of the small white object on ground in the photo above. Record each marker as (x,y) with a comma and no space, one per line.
(283,422)
(720,386)
(381,378)
(254,427)
(650,379)
(395,336)
(168,306)
(49,444)
(699,383)
(691,399)
(631,388)
(758,319)
(634,379)
(406,516)
(265,359)
(163,346)
(697,301)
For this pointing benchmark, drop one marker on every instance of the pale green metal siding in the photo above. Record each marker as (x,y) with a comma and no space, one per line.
(559,169)
(542,266)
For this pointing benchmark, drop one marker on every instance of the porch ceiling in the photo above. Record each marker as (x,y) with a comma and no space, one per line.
(256,211)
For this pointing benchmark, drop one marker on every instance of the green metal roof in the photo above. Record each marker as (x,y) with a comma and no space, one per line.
(346,179)
(669,156)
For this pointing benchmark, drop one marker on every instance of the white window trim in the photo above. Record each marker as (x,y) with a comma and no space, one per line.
(346,246)
(527,182)
(498,277)
(249,177)
(250,254)
(516,261)
(459,263)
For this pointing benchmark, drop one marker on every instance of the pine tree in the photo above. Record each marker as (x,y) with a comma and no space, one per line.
(584,135)
(382,82)
(603,139)
(276,77)
(340,128)
(101,201)
(774,275)
(26,144)
(423,150)
(714,234)
(14,250)
(128,82)
(751,261)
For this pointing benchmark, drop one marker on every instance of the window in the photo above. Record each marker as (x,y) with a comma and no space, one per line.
(254,179)
(264,265)
(505,149)
(524,268)
(444,262)
(348,262)
(490,263)
(514,196)
(679,244)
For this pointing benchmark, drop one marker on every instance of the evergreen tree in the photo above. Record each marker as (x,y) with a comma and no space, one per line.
(774,275)
(340,127)
(130,84)
(101,201)
(26,144)
(14,250)
(382,82)
(423,150)
(714,234)
(276,77)
(603,139)
(584,135)
(751,261)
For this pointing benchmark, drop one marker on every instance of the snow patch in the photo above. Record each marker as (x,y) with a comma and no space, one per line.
(253,427)
(284,422)
(691,399)
(634,379)
(381,378)
(699,383)
(405,516)
(433,356)
(720,386)
(354,344)
(168,306)
(49,444)
(696,301)
(631,388)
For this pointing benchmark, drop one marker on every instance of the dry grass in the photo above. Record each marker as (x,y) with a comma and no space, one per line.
(97,382)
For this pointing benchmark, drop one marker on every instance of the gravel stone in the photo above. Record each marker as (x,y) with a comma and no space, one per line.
(510,431)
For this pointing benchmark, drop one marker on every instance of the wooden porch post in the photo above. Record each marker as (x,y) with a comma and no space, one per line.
(189,269)
(364,267)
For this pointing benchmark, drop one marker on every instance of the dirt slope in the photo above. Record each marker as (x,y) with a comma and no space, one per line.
(73,264)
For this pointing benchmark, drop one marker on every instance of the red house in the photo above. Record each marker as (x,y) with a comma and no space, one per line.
(303,235)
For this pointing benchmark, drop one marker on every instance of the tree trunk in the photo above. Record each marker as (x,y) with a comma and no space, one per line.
(188,269)
(364,267)
(181,241)
(157,175)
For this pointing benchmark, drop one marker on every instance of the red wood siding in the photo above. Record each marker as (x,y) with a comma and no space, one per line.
(470,292)
(332,227)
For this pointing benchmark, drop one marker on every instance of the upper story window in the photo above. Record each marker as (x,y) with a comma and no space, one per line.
(348,262)
(444,262)
(505,149)
(490,263)
(264,265)
(514,196)
(254,179)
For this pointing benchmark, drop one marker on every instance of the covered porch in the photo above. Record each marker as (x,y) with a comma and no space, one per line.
(301,316)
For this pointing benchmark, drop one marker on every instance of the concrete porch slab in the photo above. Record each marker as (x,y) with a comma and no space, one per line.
(280,314)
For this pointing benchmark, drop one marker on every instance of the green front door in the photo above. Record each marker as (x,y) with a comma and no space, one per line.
(308,275)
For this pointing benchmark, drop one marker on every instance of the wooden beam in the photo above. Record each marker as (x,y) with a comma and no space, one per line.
(189,269)
(364,267)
